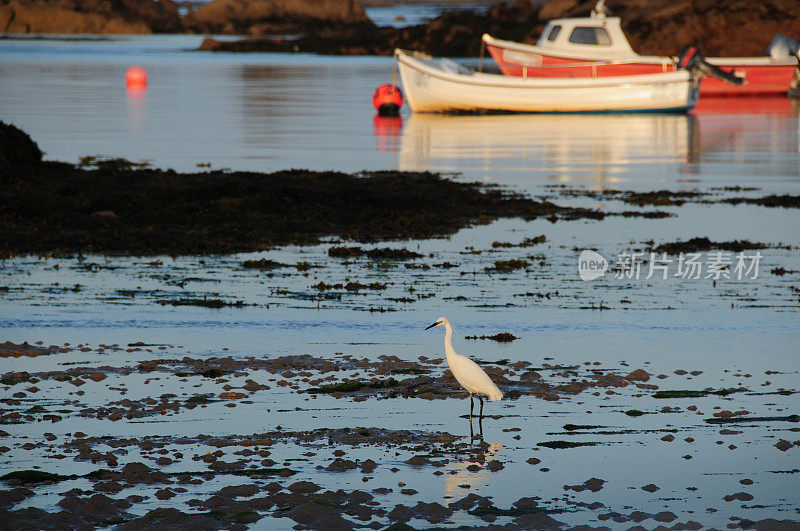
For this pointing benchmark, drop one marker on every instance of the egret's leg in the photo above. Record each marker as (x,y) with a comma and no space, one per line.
(471,432)
(471,405)
(481,399)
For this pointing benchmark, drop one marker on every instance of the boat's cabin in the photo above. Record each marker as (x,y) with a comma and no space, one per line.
(596,35)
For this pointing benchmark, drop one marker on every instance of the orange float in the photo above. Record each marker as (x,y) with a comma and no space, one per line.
(136,77)
(387,100)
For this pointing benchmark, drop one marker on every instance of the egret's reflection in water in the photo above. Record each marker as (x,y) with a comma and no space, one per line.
(473,471)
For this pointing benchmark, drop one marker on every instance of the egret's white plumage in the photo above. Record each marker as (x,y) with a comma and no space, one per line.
(467,372)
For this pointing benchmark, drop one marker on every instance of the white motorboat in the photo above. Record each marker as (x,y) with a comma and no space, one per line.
(442,85)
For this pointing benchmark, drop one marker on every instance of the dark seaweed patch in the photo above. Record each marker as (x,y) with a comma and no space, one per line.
(507,266)
(704,244)
(201,399)
(679,394)
(527,242)
(502,337)
(204,303)
(686,393)
(357,286)
(13,378)
(410,370)
(561,445)
(262,264)
(352,386)
(264,472)
(738,420)
(491,510)
(123,207)
(771,201)
(391,254)
(345,252)
(574,427)
(35,476)
(238,517)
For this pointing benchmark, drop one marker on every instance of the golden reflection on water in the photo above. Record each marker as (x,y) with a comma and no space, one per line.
(458,473)
(604,145)
(137,107)
(600,148)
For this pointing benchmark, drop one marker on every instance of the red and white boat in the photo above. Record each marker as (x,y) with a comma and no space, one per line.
(596,46)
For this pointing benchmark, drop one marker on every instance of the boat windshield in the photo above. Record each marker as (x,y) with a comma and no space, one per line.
(590,35)
(553,33)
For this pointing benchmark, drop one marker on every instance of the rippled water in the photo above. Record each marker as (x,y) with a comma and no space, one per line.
(268,112)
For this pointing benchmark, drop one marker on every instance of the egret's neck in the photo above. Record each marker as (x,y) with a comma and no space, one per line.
(448,341)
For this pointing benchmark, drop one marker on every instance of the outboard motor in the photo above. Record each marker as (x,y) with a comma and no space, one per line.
(692,60)
(783,46)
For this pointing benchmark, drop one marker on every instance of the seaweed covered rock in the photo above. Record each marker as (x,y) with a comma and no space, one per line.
(17,148)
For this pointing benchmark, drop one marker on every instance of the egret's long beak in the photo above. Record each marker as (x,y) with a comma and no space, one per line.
(431,326)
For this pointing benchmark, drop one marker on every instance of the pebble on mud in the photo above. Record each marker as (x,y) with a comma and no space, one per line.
(741,496)
(304,487)
(783,445)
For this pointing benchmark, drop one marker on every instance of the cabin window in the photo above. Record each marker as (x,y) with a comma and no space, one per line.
(590,35)
(553,33)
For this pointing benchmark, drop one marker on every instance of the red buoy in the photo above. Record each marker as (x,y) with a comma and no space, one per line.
(136,77)
(387,100)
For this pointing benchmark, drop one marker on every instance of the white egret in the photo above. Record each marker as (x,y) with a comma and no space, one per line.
(467,372)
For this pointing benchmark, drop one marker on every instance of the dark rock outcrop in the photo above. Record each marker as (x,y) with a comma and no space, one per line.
(17,148)
(341,27)
(658,27)
(262,17)
(89,16)
(733,28)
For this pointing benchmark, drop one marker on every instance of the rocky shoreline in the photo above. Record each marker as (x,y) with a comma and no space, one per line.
(662,27)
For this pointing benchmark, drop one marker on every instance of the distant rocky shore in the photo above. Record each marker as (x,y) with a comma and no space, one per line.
(341,27)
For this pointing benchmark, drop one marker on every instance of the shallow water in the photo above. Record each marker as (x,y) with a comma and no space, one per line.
(268,112)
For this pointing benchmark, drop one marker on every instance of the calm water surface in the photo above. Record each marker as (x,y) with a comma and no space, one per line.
(267,112)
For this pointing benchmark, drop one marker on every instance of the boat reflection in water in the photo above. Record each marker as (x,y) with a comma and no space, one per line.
(609,148)
(583,147)
(742,127)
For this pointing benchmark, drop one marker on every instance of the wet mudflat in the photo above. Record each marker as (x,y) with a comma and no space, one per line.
(153,435)
(295,386)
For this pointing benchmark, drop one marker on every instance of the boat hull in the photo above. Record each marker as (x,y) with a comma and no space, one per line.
(429,88)
(763,75)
